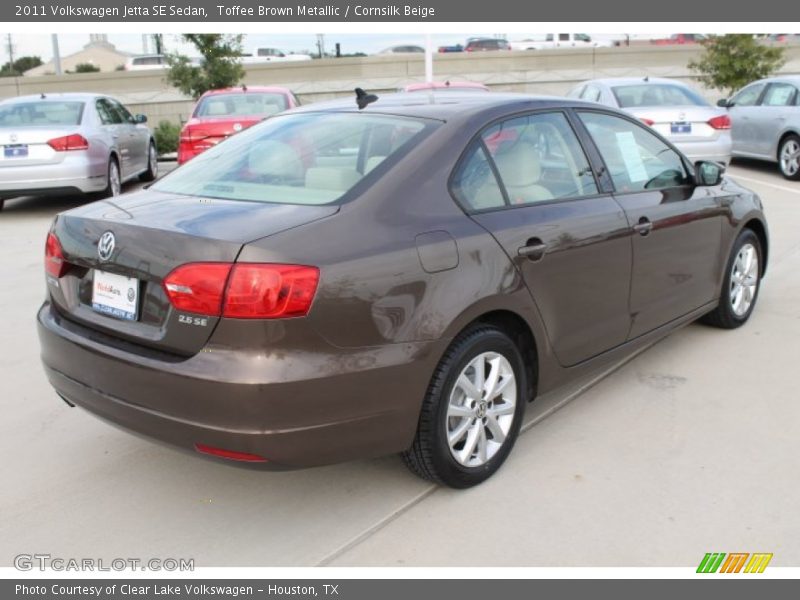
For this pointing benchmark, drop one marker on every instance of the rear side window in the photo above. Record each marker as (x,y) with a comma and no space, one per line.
(591,93)
(303,158)
(241,104)
(537,157)
(779,94)
(44,114)
(636,159)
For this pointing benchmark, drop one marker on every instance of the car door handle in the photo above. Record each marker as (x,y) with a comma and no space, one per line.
(533,249)
(644,226)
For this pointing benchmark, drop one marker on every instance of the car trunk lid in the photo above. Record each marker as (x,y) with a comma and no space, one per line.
(28,146)
(153,234)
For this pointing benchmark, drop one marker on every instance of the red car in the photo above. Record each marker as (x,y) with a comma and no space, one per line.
(219,114)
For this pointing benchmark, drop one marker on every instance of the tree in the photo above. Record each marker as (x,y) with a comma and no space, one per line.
(22,64)
(733,60)
(220,65)
(86,68)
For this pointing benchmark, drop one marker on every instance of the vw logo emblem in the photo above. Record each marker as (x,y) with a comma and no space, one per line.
(105,247)
(237,126)
(13,137)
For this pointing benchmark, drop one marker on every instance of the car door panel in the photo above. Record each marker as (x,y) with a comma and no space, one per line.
(676,225)
(743,112)
(569,242)
(770,117)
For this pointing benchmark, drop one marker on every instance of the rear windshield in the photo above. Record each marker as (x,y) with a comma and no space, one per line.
(44,114)
(656,94)
(241,104)
(306,158)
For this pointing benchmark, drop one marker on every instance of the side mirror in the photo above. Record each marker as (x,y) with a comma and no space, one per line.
(708,173)
(724,103)
(141,118)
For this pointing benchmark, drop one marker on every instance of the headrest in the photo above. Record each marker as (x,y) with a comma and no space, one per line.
(519,164)
(270,158)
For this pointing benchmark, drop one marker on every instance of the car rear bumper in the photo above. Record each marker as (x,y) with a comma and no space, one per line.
(75,173)
(718,150)
(367,404)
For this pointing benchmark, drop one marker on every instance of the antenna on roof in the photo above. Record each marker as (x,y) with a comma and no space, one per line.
(244,88)
(42,96)
(447,83)
(647,78)
(363,99)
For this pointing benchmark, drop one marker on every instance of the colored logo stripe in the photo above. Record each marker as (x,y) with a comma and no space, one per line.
(734,562)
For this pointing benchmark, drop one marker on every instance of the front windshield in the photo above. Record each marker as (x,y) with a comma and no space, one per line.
(301,158)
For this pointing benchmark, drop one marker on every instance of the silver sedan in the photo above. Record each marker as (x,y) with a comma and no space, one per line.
(71,143)
(672,108)
(765,117)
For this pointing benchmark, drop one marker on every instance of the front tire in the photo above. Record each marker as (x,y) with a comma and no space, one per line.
(472,411)
(741,284)
(789,158)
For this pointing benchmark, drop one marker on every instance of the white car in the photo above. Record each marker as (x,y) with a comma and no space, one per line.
(277,55)
(672,108)
(72,143)
(550,41)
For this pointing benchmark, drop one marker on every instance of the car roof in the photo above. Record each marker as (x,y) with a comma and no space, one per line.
(260,89)
(75,96)
(793,79)
(445,105)
(613,81)
(444,85)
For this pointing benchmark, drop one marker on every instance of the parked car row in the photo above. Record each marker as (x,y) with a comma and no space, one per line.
(761,121)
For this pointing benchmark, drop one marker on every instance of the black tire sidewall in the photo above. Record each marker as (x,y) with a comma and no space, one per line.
(487,340)
(746,236)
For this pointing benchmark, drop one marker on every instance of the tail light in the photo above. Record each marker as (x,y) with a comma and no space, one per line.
(243,290)
(720,122)
(54,263)
(69,142)
(648,122)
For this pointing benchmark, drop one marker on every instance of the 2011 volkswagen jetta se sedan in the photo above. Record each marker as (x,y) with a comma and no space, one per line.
(338,282)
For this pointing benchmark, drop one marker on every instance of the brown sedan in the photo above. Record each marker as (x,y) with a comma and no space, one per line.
(338,282)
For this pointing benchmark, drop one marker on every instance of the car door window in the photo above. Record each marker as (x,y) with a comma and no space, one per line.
(779,94)
(537,157)
(636,159)
(108,116)
(748,96)
(124,114)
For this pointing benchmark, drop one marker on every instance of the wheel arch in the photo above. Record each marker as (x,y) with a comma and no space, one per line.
(781,139)
(520,331)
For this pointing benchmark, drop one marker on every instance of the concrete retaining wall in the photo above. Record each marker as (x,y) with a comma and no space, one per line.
(545,72)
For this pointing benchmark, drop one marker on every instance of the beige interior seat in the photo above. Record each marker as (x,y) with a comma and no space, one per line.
(520,168)
(275,160)
(331,178)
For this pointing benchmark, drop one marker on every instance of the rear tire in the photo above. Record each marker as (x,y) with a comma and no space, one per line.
(789,157)
(741,284)
(472,411)
(152,164)
(114,181)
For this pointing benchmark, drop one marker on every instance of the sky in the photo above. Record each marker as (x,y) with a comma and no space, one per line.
(40,44)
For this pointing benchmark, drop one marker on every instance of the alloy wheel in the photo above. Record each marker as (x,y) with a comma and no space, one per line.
(790,157)
(744,279)
(481,409)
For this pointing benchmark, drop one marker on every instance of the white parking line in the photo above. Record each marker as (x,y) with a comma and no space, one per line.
(795,190)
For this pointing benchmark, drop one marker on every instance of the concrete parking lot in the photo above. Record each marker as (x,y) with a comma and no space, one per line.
(690,447)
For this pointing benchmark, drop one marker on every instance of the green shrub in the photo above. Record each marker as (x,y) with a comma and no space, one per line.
(86,68)
(167,134)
